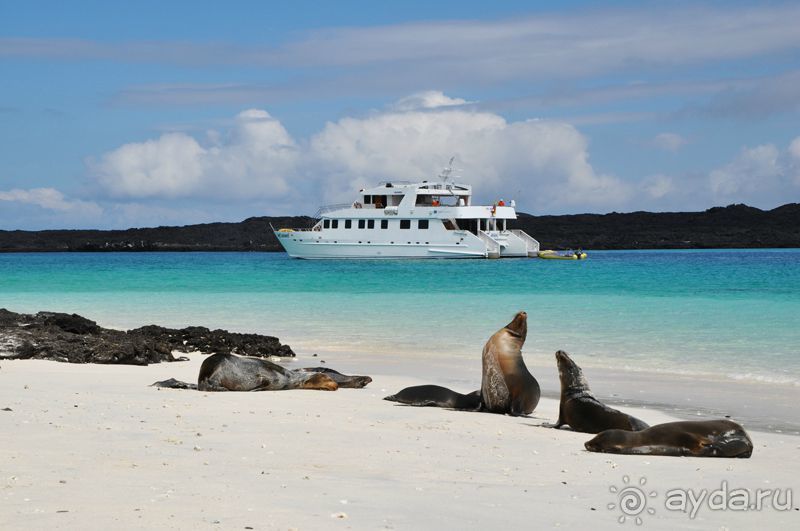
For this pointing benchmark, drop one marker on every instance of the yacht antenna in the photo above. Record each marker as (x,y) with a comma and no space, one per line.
(448,170)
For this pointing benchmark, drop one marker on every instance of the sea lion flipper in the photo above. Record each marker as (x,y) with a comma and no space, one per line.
(172,383)
(737,447)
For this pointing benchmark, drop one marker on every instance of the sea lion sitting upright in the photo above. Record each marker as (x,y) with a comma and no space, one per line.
(580,409)
(699,438)
(507,386)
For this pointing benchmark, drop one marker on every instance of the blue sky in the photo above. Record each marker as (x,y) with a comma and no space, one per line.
(152,113)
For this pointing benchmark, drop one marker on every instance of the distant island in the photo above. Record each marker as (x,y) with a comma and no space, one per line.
(734,226)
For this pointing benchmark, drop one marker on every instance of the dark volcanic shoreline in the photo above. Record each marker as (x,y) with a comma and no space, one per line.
(76,339)
(731,227)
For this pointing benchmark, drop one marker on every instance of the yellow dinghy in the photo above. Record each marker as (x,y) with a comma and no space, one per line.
(562,255)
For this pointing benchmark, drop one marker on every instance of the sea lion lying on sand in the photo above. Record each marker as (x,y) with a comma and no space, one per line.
(228,372)
(506,384)
(580,409)
(700,438)
(436,396)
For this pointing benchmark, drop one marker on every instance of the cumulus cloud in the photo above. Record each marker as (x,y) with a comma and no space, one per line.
(669,142)
(794,160)
(49,199)
(546,163)
(762,175)
(658,186)
(254,158)
(542,161)
(753,168)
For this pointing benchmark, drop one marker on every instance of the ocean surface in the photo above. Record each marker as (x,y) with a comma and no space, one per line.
(733,314)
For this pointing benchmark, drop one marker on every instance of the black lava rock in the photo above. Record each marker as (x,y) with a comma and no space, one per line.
(75,339)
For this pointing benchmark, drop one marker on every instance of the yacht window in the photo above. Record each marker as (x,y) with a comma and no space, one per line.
(405,223)
(334,223)
(422,224)
(348,223)
(448,224)
(326,223)
(371,224)
(384,223)
(360,223)
(367,199)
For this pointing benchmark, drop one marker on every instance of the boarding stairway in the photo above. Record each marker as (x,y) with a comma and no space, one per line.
(508,243)
(531,244)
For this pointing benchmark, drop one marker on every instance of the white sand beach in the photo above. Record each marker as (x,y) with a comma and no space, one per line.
(93,447)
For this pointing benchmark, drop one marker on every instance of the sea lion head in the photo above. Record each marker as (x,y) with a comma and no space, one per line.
(320,382)
(609,441)
(519,325)
(570,374)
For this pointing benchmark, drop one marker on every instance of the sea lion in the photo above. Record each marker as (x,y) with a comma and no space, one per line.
(436,396)
(342,380)
(228,372)
(580,409)
(506,385)
(699,438)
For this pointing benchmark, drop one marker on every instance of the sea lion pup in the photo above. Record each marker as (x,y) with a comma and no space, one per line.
(699,438)
(580,409)
(228,372)
(506,385)
(436,396)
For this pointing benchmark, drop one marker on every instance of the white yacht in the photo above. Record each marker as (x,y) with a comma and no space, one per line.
(411,220)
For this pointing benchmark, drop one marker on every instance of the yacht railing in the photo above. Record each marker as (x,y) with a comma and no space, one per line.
(492,245)
(530,242)
(329,208)
(384,183)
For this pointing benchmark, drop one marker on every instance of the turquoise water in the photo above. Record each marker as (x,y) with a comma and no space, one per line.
(735,313)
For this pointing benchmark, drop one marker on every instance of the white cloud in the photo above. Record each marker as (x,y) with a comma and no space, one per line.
(794,160)
(658,186)
(669,142)
(545,163)
(429,99)
(49,199)
(754,168)
(543,45)
(253,159)
(761,176)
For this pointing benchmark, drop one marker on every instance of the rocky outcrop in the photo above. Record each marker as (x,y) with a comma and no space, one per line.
(76,339)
